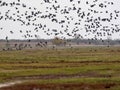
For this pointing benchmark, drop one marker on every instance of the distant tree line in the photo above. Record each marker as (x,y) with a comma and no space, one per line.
(43,43)
(96,42)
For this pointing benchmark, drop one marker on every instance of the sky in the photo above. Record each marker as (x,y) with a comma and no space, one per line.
(40,5)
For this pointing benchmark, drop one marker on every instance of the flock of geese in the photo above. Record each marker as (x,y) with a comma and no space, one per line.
(72,20)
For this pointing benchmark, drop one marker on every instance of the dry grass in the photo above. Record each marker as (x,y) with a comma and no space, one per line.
(62,68)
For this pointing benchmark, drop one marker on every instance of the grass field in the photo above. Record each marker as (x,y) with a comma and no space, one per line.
(80,68)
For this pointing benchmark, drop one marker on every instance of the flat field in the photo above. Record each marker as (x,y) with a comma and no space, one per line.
(80,68)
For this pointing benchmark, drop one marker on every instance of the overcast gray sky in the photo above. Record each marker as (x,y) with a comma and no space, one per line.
(16,26)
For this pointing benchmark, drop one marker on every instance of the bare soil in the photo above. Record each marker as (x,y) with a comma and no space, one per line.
(70,86)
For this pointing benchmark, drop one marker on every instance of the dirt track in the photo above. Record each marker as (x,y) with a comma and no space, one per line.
(68,86)
(9,84)
(19,80)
